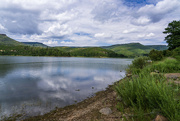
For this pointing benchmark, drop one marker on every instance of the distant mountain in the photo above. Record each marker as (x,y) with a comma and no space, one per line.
(35,44)
(133,49)
(5,40)
(119,50)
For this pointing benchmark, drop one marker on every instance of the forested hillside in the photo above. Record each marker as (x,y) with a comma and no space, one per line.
(134,49)
(90,52)
(35,44)
(5,40)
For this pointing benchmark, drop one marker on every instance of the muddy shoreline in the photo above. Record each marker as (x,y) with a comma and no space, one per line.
(87,110)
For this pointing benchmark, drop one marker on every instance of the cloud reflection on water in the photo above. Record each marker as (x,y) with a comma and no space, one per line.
(57,82)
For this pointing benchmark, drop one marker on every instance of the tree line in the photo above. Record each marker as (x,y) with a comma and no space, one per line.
(54,51)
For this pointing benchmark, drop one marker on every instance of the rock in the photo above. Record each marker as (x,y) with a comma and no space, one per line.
(156,71)
(160,118)
(153,73)
(176,82)
(128,75)
(105,111)
(172,75)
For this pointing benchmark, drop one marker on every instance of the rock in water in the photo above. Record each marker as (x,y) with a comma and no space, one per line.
(105,111)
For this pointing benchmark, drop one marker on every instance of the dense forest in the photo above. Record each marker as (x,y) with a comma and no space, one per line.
(31,51)
(56,51)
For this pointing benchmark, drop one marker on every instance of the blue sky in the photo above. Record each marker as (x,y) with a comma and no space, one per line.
(87,22)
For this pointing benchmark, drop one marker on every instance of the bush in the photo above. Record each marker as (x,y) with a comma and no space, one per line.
(176,53)
(138,64)
(156,55)
(167,53)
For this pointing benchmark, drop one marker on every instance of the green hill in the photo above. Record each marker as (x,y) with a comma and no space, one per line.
(35,44)
(120,50)
(5,40)
(89,52)
(158,47)
(134,49)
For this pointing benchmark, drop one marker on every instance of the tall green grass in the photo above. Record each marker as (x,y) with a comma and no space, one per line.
(169,65)
(146,93)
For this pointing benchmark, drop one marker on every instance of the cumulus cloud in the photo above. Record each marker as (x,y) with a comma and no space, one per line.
(155,13)
(129,31)
(51,42)
(87,23)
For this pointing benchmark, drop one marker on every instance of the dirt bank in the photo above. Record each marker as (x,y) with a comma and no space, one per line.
(86,110)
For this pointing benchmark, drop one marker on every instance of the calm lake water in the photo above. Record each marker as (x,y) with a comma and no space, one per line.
(36,85)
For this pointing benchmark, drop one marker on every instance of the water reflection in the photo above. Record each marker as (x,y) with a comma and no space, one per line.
(55,81)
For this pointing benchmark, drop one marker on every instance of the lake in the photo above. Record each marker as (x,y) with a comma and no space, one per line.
(36,85)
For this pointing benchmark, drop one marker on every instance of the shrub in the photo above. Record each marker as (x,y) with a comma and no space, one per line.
(138,64)
(176,53)
(156,55)
(167,53)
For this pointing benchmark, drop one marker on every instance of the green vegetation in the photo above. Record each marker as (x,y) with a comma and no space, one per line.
(158,47)
(156,55)
(176,53)
(57,51)
(148,93)
(5,40)
(35,44)
(9,46)
(173,37)
(31,51)
(132,50)
(89,52)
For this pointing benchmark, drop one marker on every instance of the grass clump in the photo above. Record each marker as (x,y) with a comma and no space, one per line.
(151,94)
(169,65)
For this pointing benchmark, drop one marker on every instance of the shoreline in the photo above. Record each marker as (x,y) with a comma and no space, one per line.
(87,109)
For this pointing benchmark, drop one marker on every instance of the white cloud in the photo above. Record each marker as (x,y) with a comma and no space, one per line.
(101,22)
(142,20)
(99,35)
(129,31)
(150,35)
(159,11)
(103,35)
(66,43)
(141,35)
(2,27)
(51,42)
